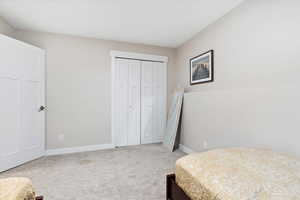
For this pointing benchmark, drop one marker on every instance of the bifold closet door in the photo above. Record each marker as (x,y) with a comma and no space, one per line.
(127,102)
(22,92)
(153,101)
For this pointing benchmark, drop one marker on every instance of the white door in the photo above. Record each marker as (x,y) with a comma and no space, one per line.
(22,93)
(153,101)
(160,100)
(127,102)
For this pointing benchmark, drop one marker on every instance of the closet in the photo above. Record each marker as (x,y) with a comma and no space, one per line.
(22,101)
(139,99)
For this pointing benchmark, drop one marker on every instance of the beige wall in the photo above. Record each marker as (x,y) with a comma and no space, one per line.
(5,28)
(254,100)
(79,87)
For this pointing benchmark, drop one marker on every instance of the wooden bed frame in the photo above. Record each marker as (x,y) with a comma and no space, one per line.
(174,192)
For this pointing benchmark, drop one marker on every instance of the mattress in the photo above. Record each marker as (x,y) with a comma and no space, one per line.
(16,189)
(239,174)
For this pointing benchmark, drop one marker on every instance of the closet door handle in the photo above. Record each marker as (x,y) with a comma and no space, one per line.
(41,108)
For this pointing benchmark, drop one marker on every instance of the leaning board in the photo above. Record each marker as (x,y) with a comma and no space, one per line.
(173,120)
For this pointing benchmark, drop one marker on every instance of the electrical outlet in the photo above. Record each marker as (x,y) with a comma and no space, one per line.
(205,144)
(61,137)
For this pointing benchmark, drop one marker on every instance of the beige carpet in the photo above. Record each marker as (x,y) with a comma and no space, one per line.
(129,173)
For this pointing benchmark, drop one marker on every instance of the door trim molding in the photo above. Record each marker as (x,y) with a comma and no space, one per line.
(130,55)
(138,56)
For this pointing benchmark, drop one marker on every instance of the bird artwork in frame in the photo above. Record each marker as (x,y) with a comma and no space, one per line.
(202,68)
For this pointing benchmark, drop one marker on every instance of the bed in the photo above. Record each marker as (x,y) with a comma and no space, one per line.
(17,189)
(235,174)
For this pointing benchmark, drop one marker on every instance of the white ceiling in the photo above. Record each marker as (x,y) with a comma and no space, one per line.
(157,22)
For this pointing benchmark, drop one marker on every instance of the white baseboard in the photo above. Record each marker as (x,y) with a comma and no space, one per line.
(51,152)
(185,149)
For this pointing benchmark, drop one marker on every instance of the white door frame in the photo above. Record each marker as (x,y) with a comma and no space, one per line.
(129,55)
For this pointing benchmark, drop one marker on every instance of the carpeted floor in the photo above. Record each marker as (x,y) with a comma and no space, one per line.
(128,173)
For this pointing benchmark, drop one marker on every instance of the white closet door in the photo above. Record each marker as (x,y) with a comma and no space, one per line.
(127,102)
(134,123)
(22,127)
(160,96)
(147,100)
(153,102)
(121,102)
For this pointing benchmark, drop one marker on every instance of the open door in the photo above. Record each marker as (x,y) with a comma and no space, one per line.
(22,103)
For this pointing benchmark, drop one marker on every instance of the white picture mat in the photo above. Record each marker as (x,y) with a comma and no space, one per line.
(210,71)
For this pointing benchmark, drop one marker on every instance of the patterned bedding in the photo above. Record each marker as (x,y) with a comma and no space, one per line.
(16,189)
(239,174)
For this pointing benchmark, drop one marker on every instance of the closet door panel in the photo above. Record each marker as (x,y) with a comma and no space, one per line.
(160,97)
(134,135)
(156,103)
(147,100)
(122,102)
(153,101)
(116,104)
(127,102)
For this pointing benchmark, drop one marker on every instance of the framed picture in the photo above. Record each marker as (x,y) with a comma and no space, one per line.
(202,68)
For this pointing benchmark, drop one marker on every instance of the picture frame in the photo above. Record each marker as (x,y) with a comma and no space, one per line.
(202,68)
